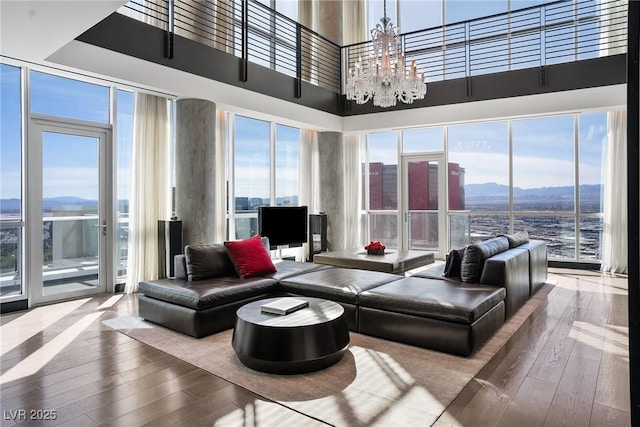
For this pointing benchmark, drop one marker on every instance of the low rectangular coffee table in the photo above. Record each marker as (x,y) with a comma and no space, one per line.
(392,261)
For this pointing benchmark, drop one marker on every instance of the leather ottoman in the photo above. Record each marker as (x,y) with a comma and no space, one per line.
(342,285)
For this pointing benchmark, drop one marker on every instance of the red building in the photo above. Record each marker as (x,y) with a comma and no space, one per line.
(423,186)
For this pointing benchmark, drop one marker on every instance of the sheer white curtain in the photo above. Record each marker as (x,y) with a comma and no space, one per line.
(352,191)
(354,17)
(220,213)
(614,239)
(309,192)
(150,181)
(612,30)
(307,17)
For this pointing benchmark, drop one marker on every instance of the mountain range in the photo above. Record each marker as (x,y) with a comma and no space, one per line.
(13,205)
(494,190)
(490,190)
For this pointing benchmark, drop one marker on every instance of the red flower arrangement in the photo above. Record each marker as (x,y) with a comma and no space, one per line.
(375,248)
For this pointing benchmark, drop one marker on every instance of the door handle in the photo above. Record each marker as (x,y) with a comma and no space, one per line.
(103,227)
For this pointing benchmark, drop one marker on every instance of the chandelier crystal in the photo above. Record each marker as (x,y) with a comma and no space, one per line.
(385,78)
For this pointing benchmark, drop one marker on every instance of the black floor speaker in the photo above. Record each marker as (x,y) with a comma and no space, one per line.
(169,245)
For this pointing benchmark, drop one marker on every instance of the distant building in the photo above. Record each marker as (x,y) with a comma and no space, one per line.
(423,186)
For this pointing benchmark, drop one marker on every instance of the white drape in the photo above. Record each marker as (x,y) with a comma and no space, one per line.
(309,172)
(614,239)
(307,17)
(354,15)
(150,181)
(220,214)
(613,28)
(352,191)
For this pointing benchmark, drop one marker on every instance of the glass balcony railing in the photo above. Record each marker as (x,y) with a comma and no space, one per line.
(10,257)
(70,249)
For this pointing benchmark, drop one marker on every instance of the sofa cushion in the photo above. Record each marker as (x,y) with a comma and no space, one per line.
(510,270)
(203,294)
(207,261)
(475,255)
(438,299)
(287,268)
(250,258)
(537,263)
(517,239)
(336,284)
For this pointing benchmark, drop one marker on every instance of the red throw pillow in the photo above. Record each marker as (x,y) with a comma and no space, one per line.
(250,258)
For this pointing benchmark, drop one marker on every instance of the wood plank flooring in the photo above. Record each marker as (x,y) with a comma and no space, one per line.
(566,366)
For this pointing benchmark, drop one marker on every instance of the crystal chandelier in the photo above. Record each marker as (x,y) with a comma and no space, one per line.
(385,77)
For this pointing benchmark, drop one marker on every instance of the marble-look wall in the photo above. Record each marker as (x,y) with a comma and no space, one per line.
(195,169)
(331,155)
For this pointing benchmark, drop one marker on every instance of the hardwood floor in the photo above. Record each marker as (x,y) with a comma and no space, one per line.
(567,365)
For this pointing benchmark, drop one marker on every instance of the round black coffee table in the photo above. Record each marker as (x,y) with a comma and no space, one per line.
(306,340)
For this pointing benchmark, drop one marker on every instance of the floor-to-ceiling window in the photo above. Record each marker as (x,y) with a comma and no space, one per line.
(287,165)
(479,152)
(124,143)
(66,149)
(540,174)
(381,187)
(251,174)
(11,213)
(544,181)
(69,193)
(592,139)
(264,159)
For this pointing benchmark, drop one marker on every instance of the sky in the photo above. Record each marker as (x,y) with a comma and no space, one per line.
(252,158)
(543,149)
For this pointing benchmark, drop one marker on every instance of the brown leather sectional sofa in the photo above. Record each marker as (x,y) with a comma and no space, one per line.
(426,310)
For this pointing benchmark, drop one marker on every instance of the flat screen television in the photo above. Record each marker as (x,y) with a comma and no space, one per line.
(283,225)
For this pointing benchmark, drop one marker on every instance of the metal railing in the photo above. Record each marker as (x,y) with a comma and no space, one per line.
(249,30)
(537,36)
(562,31)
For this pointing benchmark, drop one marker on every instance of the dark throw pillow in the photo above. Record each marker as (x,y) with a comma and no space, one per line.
(250,257)
(475,256)
(207,261)
(453,262)
(517,239)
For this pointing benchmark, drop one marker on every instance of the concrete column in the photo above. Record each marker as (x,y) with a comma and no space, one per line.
(195,169)
(331,156)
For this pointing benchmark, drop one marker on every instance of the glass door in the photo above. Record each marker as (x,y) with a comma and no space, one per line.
(423,218)
(68,226)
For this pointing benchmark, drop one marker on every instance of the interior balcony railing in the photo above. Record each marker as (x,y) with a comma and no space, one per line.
(537,36)
(562,31)
(249,30)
